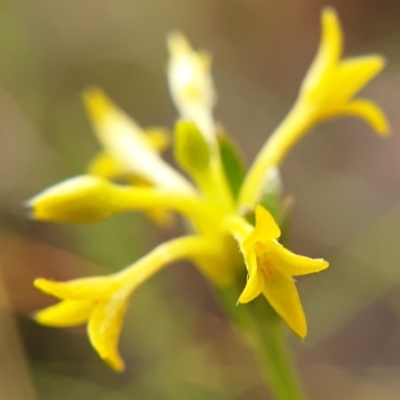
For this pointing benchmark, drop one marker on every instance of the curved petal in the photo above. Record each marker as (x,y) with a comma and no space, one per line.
(66,313)
(125,141)
(98,287)
(104,329)
(354,73)
(255,281)
(370,112)
(328,54)
(294,264)
(281,293)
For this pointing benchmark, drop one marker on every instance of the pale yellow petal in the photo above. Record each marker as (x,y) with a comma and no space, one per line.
(159,138)
(353,74)
(66,313)
(328,55)
(370,112)
(294,264)
(85,288)
(266,227)
(126,142)
(106,166)
(104,329)
(191,84)
(255,281)
(281,293)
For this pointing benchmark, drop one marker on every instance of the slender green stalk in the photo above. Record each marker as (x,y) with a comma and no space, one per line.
(271,349)
(265,330)
(298,121)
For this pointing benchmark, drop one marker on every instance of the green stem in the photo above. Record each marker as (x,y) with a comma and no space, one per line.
(271,348)
(264,327)
(299,119)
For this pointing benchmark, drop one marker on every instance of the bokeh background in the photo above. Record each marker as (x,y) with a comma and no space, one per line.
(176,341)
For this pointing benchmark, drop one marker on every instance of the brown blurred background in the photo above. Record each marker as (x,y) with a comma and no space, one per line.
(176,340)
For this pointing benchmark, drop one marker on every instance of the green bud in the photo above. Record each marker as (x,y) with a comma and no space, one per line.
(191,150)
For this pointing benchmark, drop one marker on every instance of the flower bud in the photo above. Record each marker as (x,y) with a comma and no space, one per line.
(81,199)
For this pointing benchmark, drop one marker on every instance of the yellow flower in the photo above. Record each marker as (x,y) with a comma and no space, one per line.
(103,301)
(191,84)
(100,301)
(332,82)
(326,92)
(271,268)
(208,204)
(128,146)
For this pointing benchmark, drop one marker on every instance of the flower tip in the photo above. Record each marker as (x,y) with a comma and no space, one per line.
(96,102)
(329,18)
(116,363)
(324,263)
(303,332)
(177,43)
(40,283)
(329,12)
(332,36)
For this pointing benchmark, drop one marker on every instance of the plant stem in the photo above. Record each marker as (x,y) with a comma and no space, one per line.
(271,349)
(264,327)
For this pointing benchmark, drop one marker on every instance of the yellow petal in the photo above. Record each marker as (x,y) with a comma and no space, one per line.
(370,112)
(354,73)
(82,199)
(104,329)
(98,287)
(329,52)
(191,84)
(66,313)
(126,142)
(159,138)
(106,166)
(266,227)
(294,264)
(281,293)
(255,282)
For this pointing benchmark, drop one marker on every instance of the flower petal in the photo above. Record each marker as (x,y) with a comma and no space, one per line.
(82,199)
(126,142)
(66,313)
(159,138)
(191,84)
(255,282)
(94,288)
(281,293)
(266,227)
(294,264)
(328,55)
(354,73)
(104,329)
(370,112)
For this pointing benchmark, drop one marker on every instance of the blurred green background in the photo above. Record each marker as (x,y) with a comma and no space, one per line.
(176,341)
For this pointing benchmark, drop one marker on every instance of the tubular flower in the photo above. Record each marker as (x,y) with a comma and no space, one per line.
(213,200)
(271,268)
(103,301)
(327,91)
(127,145)
(331,82)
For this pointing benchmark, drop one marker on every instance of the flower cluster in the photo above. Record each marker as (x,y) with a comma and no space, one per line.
(217,200)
